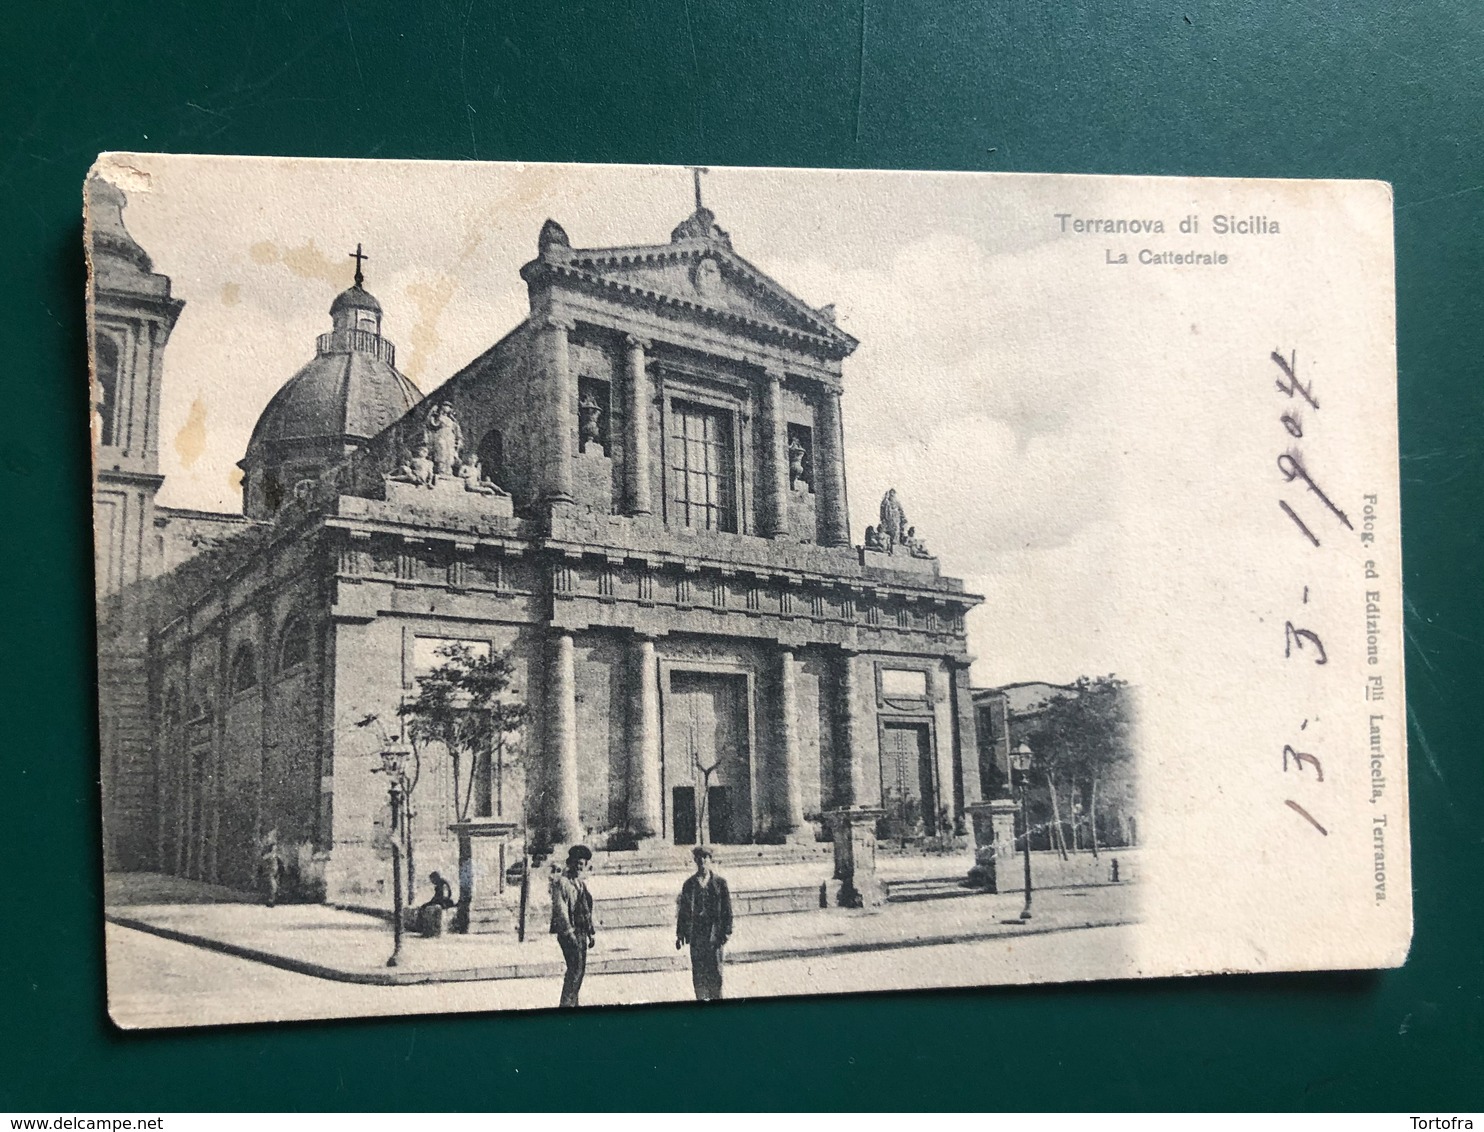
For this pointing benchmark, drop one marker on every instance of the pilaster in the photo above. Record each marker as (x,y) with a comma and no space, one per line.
(967,789)
(560,399)
(850,733)
(638,466)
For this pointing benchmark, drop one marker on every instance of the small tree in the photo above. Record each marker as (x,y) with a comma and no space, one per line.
(467,706)
(1084,736)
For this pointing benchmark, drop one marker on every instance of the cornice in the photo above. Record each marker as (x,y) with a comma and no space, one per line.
(580,266)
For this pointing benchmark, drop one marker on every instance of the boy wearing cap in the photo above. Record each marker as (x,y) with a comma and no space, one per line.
(572,920)
(704,922)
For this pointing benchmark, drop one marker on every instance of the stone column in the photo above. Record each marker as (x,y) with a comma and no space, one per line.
(850,738)
(774,478)
(561,741)
(645,811)
(560,399)
(637,455)
(967,790)
(829,448)
(791,820)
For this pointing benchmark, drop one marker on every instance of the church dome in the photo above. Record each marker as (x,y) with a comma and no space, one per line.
(348,393)
(344,394)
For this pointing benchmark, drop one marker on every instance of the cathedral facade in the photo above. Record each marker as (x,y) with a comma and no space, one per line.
(639,496)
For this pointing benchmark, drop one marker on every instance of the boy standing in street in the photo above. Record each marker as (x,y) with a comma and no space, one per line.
(572,920)
(704,922)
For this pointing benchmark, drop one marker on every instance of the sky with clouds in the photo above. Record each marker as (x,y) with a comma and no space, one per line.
(973,391)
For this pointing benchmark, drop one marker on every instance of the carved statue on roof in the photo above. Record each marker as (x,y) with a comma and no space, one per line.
(915,546)
(445,439)
(475,480)
(893,529)
(416,468)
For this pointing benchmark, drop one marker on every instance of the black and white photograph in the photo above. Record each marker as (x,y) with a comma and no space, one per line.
(557,586)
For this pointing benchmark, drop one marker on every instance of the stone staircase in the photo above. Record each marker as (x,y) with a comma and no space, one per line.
(904,890)
(670,858)
(658,910)
(638,888)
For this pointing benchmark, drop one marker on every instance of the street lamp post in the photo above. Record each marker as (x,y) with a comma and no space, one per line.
(1020,762)
(393,765)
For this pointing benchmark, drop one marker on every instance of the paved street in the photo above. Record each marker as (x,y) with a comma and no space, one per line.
(155,981)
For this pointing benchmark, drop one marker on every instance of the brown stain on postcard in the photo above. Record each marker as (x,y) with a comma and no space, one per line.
(190,441)
(431,299)
(306,261)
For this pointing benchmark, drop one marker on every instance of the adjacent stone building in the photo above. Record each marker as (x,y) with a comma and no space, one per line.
(640,493)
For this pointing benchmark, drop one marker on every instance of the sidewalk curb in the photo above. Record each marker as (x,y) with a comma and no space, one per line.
(542,970)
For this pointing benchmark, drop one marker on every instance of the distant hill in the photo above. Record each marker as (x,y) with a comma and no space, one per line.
(1026,697)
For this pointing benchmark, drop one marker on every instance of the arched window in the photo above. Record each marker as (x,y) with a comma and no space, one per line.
(105,393)
(244,668)
(492,457)
(295,646)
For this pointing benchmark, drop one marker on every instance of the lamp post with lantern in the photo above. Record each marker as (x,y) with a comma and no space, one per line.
(394,766)
(1020,763)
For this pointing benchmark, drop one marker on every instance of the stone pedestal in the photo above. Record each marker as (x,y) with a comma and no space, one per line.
(899,558)
(855,855)
(449,495)
(993,826)
(483,857)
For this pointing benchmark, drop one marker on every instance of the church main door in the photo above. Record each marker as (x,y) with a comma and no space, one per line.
(907,780)
(708,758)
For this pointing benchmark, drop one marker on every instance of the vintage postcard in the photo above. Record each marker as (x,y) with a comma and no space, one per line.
(525,586)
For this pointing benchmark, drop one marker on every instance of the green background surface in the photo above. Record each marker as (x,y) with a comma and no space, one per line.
(1266,88)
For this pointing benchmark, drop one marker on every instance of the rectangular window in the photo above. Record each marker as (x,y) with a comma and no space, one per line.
(703,467)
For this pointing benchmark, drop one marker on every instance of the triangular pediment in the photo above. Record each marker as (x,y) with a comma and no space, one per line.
(705,274)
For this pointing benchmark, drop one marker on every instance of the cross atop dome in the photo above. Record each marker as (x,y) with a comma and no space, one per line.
(355,307)
(359,255)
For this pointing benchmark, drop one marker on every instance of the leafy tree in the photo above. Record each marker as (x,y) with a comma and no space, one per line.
(1082,737)
(467,706)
